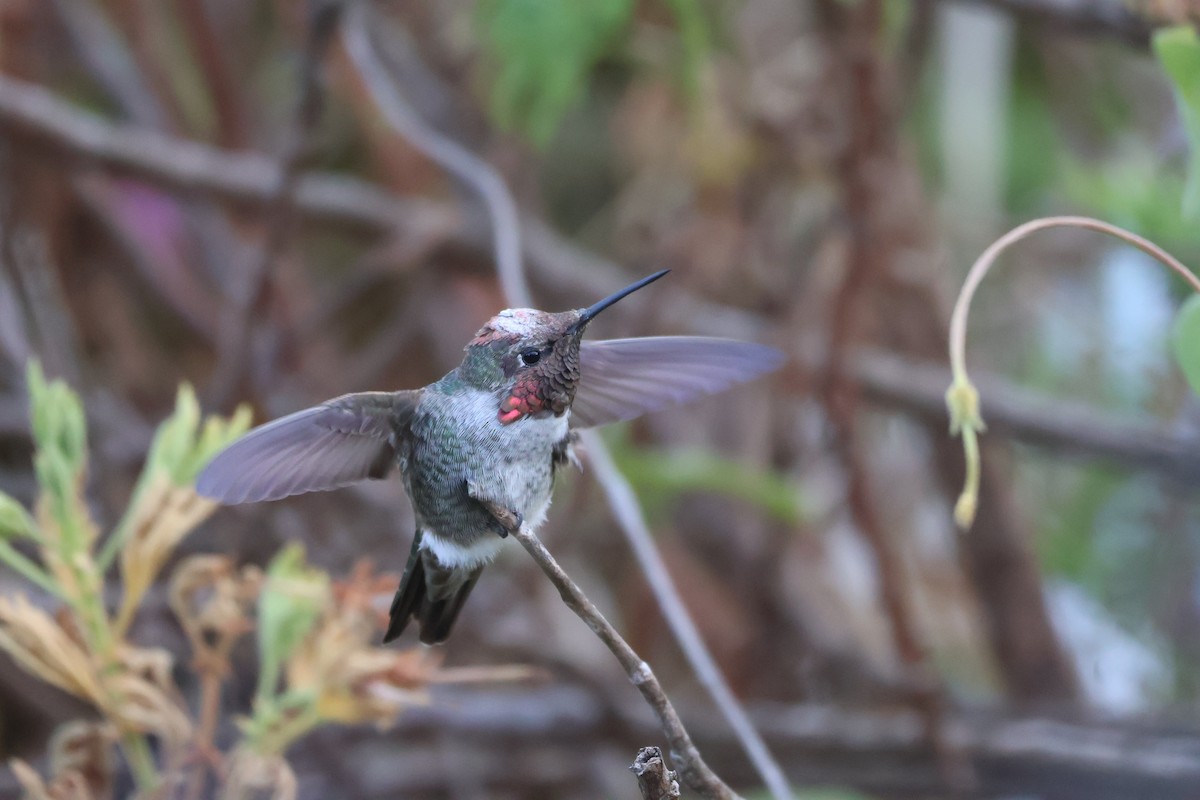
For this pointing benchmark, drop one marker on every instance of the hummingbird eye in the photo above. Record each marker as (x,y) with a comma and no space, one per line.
(530,356)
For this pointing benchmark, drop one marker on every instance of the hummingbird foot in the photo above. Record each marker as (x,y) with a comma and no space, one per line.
(508,519)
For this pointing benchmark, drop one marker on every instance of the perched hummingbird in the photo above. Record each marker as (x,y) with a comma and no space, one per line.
(479,448)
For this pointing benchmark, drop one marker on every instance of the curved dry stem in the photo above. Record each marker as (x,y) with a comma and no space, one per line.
(962,398)
(448,154)
(958,319)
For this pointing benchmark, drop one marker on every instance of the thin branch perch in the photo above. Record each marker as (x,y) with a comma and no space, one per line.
(250,303)
(655,781)
(694,771)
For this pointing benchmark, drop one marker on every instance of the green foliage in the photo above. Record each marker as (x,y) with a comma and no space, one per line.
(1034,141)
(1066,547)
(695,37)
(181,448)
(15,521)
(321,641)
(83,649)
(60,437)
(664,476)
(1178,49)
(1185,340)
(542,54)
(1133,193)
(290,604)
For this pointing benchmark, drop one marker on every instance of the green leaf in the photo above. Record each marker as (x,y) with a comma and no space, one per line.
(60,437)
(290,604)
(542,54)
(694,37)
(1178,49)
(675,473)
(57,419)
(182,446)
(15,521)
(1185,339)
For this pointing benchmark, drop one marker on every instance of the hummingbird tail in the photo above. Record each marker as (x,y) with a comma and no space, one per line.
(430,592)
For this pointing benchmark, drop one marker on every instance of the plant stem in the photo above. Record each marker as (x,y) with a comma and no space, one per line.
(141,760)
(962,399)
(28,569)
(210,710)
(958,319)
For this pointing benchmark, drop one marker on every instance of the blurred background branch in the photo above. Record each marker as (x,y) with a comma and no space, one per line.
(816,175)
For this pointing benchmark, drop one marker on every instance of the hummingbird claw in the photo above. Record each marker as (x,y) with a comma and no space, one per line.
(509,520)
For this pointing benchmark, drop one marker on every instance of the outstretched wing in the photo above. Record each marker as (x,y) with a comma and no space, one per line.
(621,379)
(337,443)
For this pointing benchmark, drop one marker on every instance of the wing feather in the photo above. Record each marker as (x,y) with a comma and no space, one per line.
(620,379)
(337,443)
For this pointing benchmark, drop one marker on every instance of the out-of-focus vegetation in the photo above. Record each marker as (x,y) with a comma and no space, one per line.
(1179,51)
(818,175)
(320,636)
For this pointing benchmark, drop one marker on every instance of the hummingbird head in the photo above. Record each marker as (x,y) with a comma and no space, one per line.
(531,357)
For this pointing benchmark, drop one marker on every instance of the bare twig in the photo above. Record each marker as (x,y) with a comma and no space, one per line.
(506,239)
(233,349)
(870,118)
(692,768)
(252,178)
(109,61)
(455,159)
(191,166)
(655,781)
(958,320)
(232,127)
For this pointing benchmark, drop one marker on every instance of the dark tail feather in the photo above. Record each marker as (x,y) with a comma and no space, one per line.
(437,616)
(411,593)
(430,592)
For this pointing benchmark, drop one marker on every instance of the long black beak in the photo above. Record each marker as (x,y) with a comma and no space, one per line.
(591,311)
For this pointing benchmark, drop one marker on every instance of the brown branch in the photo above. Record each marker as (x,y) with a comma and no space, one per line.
(564,267)
(460,162)
(872,233)
(655,781)
(234,345)
(1063,426)
(109,61)
(878,751)
(694,771)
(231,123)
(192,167)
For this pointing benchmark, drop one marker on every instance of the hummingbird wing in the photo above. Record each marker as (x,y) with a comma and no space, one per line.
(337,443)
(621,379)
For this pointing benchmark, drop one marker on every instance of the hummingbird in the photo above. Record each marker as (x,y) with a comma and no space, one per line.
(478,449)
